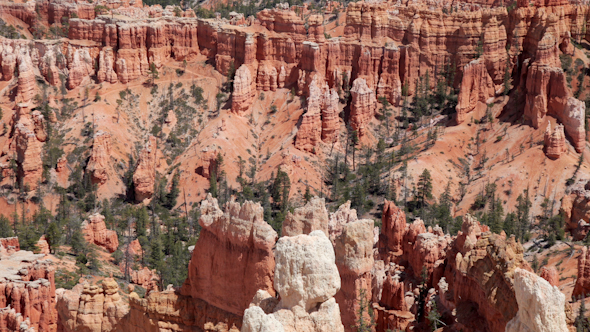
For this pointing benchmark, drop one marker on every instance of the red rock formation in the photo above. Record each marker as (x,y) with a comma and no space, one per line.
(43,245)
(477,86)
(81,67)
(480,276)
(95,231)
(362,107)
(550,274)
(28,147)
(145,278)
(582,286)
(27,287)
(392,311)
(99,164)
(304,220)
(145,173)
(354,259)
(330,117)
(208,163)
(10,244)
(27,86)
(106,66)
(547,91)
(428,254)
(575,207)
(393,228)
(237,242)
(244,91)
(309,133)
(555,141)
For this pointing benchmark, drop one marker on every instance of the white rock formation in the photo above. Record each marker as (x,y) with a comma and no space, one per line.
(540,305)
(307,279)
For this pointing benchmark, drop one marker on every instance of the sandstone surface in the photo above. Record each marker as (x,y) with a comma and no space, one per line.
(95,231)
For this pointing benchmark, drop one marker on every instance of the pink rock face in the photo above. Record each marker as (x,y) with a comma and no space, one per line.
(146,278)
(145,173)
(428,254)
(96,232)
(309,133)
(550,274)
(304,220)
(393,228)
(476,86)
(390,85)
(244,91)
(234,242)
(99,164)
(330,117)
(27,286)
(362,107)
(555,142)
(582,286)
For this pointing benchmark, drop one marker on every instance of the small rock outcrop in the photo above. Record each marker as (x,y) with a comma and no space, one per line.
(95,231)
(550,274)
(575,207)
(99,164)
(306,278)
(555,144)
(145,173)
(540,305)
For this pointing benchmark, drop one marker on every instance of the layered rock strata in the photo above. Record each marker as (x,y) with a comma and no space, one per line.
(99,164)
(554,140)
(144,176)
(575,207)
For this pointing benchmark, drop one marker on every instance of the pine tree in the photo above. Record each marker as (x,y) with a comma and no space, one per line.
(307,196)
(424,187)
(581,323)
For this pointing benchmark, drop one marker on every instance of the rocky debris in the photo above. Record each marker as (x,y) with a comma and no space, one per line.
(362,106)
(244,91)
(95,231)
(234,242)
(575,207)
(304,220)
(306,277)
(550,274)
(27,292)
(91,307)
(555,144)
(145,173)
(476,87)
(99,164)
(540,305)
